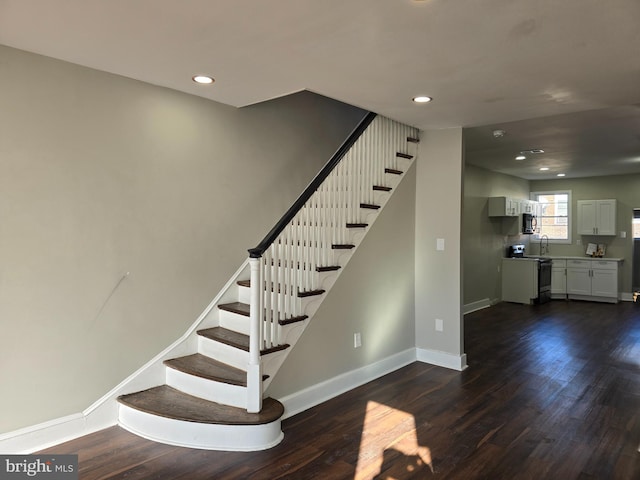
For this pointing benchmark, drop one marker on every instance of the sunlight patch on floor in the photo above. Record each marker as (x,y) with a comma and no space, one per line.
(389,448)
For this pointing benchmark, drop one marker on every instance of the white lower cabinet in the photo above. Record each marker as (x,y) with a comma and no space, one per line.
(559,279)
(592,279)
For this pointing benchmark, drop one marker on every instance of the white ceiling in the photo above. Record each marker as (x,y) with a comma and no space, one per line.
(485,62)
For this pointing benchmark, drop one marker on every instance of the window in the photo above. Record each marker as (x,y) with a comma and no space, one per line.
(636,223)
(554,215)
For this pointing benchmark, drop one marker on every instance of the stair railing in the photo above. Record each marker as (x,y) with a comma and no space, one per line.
(308,238)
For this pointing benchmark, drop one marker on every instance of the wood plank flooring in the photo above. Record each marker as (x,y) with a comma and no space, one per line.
(552,392)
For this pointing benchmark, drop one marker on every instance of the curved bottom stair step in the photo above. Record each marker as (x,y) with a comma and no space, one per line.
(167,402)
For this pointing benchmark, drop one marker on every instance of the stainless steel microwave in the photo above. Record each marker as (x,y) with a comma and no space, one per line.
(529,224)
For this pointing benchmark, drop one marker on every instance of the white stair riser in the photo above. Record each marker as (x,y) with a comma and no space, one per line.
(223,353)
(244,294)
(239,438)
(380,197)
(234,321)
(211,390)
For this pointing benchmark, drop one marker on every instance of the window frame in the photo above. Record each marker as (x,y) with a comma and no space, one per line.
(534,196)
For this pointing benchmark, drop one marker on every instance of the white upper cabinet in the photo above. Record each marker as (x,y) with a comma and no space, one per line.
(528,206)
(511,207)
(503,207)
(596,217)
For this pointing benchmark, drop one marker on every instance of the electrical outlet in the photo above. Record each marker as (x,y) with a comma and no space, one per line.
(357,340)
(498,268)
(439,325)
(578,242)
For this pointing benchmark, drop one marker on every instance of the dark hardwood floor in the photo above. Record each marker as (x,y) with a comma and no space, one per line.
(552,392)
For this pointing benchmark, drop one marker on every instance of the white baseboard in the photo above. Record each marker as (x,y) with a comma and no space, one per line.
(310,397)
(475,306)
(442,359)
(626,297)
(47,434)
(44,435)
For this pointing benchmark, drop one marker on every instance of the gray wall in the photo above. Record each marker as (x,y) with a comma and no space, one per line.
(626,190)
(102,175)
(438,272)
(483,238)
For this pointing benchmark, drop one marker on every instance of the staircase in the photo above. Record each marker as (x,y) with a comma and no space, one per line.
(214,378)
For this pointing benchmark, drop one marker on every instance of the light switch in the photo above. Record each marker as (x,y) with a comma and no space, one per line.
(440,244)
(623,234)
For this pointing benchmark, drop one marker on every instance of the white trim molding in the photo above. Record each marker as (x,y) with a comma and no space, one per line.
(442,359)
(475,306)
(310,397)
(47,434)
(626,297)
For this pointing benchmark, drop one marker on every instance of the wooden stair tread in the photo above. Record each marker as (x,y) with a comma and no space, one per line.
(310,293)
(168,402)
(228,337)
(235,339)
(369,206)
(303,266)
(404,155)
(301,294)
(393,171)
(206,367)
(381,188)
(235,307)
(290,320)
(328,268)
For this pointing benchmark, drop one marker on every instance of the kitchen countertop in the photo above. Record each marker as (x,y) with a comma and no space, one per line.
(569,257)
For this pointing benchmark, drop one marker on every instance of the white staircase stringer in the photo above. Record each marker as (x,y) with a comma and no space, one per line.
(294,332)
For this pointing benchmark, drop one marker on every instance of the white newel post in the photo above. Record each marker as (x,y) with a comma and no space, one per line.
(254,369)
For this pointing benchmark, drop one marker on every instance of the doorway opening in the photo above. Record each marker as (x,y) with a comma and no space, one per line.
(635,276)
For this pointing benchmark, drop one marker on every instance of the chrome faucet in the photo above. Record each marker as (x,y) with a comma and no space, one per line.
(544,251)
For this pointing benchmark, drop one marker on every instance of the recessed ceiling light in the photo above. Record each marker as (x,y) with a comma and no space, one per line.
(533,151)
(561,175)
(203,79)
(544,169)
(499,133)
(422,99)
(521,157)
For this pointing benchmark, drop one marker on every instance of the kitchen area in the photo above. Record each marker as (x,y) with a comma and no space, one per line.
(592,157)
(537,278)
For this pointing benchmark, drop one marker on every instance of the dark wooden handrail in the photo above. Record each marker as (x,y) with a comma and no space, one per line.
(258,251)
